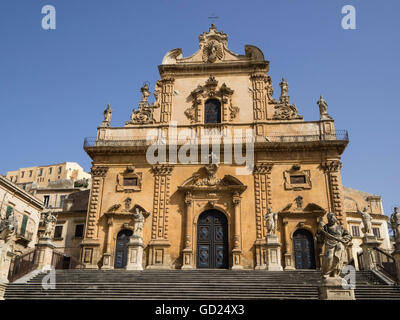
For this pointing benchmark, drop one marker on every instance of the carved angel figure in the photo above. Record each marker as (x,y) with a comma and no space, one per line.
(271,219)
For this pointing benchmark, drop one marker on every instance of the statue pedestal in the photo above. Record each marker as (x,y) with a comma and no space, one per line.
(90,253)
(5,261)
(236,257)
(135,254)
(273,253)
(335,289)
(368,245)
(44,254)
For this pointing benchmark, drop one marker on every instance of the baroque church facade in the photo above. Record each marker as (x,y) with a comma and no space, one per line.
(210,213)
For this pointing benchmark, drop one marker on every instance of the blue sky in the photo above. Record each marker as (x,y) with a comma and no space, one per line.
(55,84)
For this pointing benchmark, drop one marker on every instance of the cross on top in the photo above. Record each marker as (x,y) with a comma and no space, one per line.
(212,18)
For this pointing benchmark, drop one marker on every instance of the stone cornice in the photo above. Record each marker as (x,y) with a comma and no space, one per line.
(17,191)
(207,68)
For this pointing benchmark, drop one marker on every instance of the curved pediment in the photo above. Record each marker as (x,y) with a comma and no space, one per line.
(213,49)
(297,206)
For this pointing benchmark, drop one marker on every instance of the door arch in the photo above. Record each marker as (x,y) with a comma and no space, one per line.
(121,248)
(303,247)
(212,240)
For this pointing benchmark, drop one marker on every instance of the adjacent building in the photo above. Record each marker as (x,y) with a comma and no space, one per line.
(26,209)
(41,176)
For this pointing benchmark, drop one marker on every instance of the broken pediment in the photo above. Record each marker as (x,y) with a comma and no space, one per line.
(213,49)
(297,206)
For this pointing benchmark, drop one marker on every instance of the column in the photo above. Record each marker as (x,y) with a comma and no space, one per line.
(159,244)
(237,246)
(107,259)
(187,252)
(90,252)
(289,262)
(167,90)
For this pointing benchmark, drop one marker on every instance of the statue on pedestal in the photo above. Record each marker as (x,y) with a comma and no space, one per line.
(50,224)
(284,88)
(323,108)
(138,220)
(366,219)
(335,238)
(271,219)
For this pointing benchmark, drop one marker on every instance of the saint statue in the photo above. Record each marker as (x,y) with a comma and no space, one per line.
(335,238)
(323,108)
(50,225)
(271,219)
(366,219)
(284,88)
(138,219)
(395,222)
(145,92)
(108,114)
(8,226)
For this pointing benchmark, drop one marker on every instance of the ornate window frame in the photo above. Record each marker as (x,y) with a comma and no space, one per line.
(201,94)
(129,173)
(296,171)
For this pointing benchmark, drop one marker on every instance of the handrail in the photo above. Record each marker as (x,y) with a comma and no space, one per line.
(22,265)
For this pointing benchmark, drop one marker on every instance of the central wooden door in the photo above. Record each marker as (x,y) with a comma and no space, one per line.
(212,240)
(303,244)
(121,248)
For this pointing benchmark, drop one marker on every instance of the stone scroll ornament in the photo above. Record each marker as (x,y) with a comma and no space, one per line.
(283,109)
(335,238)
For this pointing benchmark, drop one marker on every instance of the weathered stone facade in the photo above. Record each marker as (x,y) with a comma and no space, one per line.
(295,170)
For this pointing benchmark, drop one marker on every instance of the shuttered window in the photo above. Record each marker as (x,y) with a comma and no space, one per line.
(23,224)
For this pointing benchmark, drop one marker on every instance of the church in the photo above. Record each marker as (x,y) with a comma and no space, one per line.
(187,181)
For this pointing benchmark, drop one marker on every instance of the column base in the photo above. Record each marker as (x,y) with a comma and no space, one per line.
(187,259)
(237,259)
(159,257)
(289,262)
(90,254)
(107,261)
(260,255)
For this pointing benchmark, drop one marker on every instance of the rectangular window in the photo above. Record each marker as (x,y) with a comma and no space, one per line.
(58,231)
(59,170)
(79,230)
(23,225)
(50,170)
(356,231)
(30,173)
(40,172)
(62,199)
(22,174)
(298,179)
(130,181)
(46,200)
(9,211)
(11,179)
(376,232)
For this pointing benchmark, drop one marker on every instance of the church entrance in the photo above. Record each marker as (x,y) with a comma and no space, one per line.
(303,244)
(121,249)
(212,240)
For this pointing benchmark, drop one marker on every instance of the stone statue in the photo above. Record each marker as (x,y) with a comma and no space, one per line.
(271,219)
(138,219)
(323,108)
(335,238)
(366,219)
(284,88)
(50,225)
(395,222)
(107,114)
(8,226)
(145,92)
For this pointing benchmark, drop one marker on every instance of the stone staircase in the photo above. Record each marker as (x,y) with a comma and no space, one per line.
(190,285)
